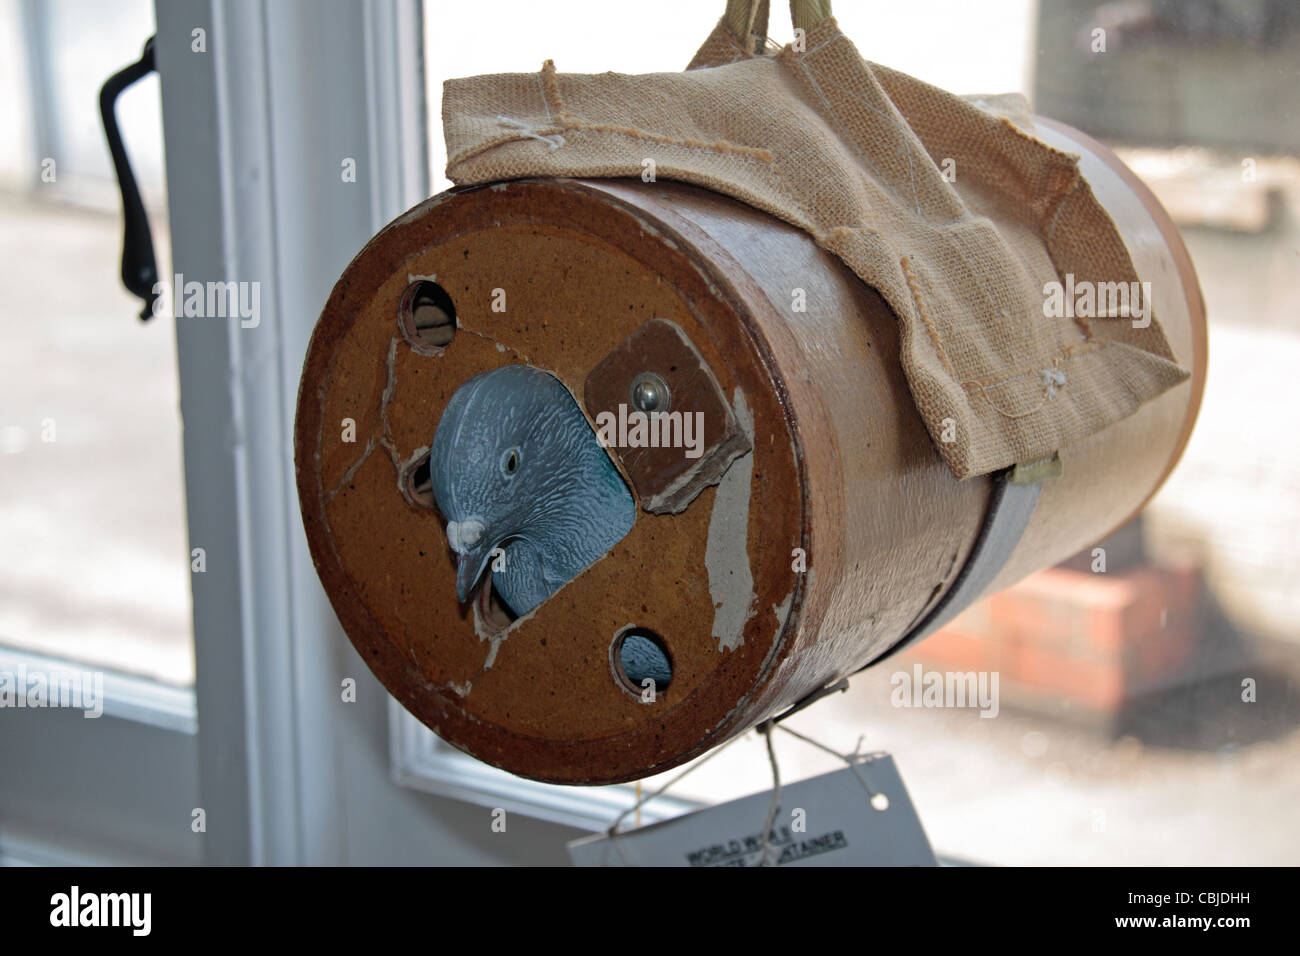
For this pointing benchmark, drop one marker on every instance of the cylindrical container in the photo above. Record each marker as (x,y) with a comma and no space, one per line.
(814,529)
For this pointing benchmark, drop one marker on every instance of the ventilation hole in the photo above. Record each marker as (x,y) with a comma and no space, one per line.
(427,317)
(638,655)
(419,483)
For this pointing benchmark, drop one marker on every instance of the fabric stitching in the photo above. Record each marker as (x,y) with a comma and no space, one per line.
(1068,354)
(1049,240)
(812,70)
(567,122)
(935,338)
(935,341)
(545,105)
(833,119)
(833,116)
(511,137)
(573,125)
(720,148)
(551,90)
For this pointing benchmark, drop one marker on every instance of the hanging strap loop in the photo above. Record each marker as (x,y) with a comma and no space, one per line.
(748,19)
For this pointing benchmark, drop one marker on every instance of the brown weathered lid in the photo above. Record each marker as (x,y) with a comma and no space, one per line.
(585,278)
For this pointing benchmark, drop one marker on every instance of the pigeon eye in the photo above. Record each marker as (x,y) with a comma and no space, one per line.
(510,462)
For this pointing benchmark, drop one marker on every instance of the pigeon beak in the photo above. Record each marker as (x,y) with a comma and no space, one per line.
(469,569)
(466,539)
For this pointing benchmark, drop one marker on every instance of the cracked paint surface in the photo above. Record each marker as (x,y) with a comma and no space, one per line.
(726,555)
(485,674)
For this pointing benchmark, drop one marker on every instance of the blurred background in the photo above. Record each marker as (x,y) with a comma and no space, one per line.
(1148,714)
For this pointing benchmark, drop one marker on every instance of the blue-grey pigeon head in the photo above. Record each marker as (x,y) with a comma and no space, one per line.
(515,465)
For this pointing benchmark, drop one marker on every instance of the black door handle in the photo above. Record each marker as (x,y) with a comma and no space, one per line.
(139,266)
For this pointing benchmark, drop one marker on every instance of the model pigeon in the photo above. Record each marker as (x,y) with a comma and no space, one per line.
(515,465)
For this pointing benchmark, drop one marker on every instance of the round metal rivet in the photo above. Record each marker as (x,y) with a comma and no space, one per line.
(649,393)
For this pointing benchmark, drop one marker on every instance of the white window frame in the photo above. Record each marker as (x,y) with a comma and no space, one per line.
(109,790)
(423,761)
(116,789)
(254,145)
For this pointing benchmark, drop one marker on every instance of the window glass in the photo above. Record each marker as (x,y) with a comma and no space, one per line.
(94,564)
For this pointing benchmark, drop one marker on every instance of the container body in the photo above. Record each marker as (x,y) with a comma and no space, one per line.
(817,526)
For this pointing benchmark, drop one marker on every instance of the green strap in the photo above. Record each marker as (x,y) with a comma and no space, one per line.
(806,14)
(748,21)
(748,18)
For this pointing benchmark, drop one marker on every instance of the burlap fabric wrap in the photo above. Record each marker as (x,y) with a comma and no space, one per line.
(855,154)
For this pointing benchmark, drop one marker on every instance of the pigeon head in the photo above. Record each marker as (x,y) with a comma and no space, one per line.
(512,463)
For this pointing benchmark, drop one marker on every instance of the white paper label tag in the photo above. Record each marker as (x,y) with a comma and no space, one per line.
(828,820)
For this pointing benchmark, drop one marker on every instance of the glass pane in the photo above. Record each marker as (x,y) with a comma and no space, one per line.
(93,556)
